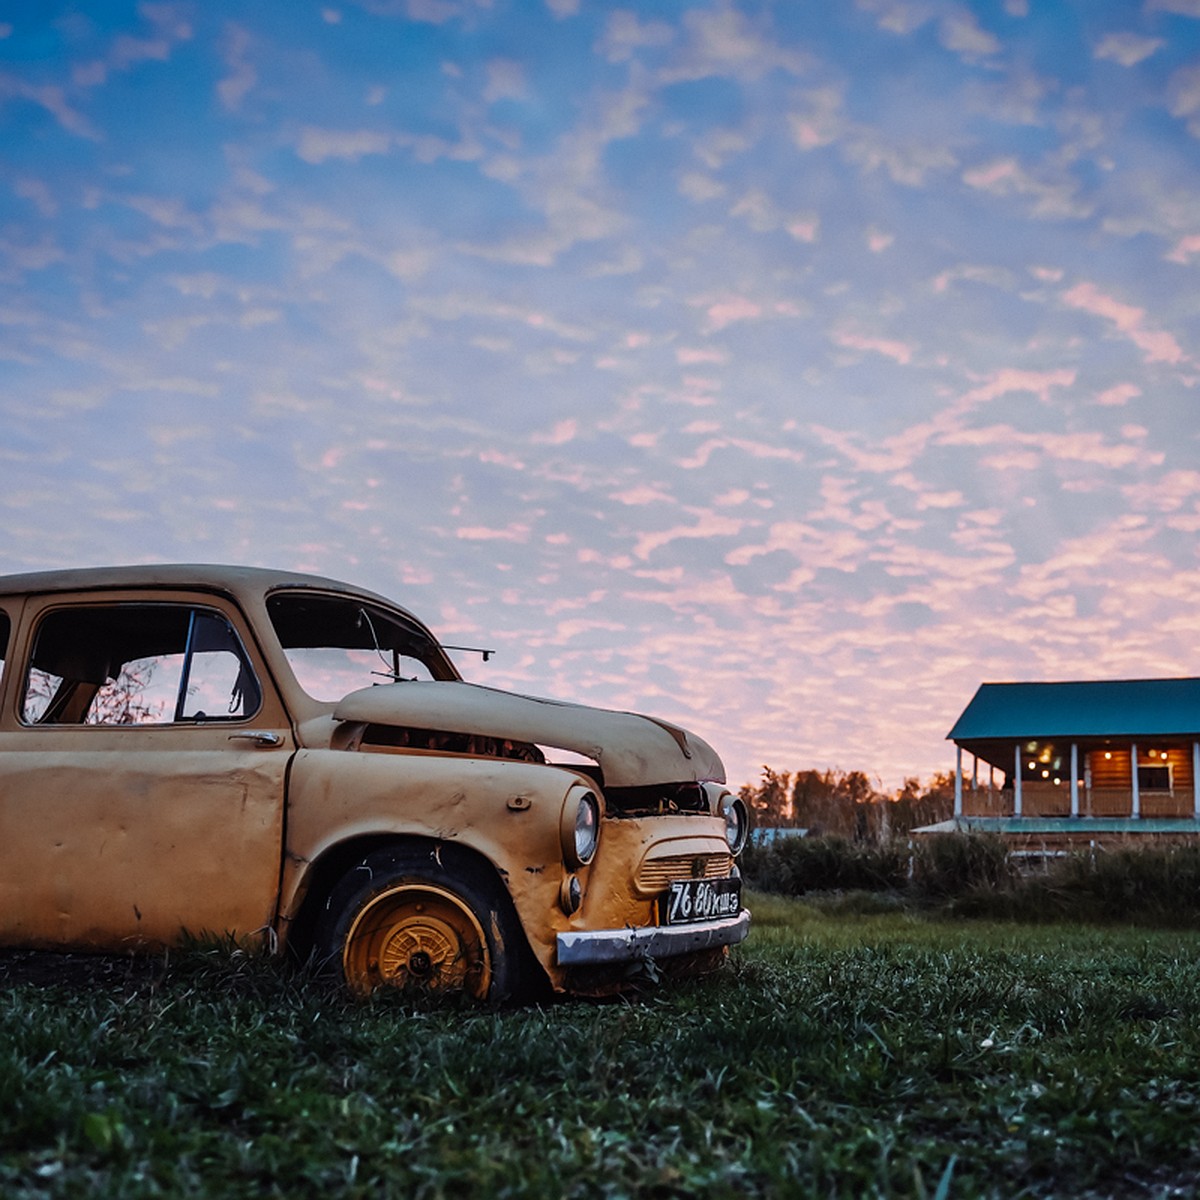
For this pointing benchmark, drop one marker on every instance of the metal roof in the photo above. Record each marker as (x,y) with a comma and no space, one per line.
(1128,708)
(211,576)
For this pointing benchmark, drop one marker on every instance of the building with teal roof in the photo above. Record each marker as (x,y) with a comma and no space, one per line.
(1079,761)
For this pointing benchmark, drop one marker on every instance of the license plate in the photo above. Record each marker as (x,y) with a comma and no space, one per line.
(700,900)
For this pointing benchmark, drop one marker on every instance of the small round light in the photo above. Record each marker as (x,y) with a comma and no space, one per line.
(737,823)
(580,826)
(570,895)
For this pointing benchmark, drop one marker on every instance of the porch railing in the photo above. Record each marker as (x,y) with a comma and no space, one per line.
(1047,800)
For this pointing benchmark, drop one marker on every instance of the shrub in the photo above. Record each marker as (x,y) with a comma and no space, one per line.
(974,875)
(953,864)
(796,866)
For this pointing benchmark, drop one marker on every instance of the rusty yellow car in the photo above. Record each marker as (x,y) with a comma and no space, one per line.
(298,764)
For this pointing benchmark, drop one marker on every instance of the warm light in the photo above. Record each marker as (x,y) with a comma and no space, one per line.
(1032,765)
(1045,774)
(1057,781)
(1108,754)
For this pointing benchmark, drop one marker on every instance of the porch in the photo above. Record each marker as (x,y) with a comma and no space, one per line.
(1078,761)
(1047,779)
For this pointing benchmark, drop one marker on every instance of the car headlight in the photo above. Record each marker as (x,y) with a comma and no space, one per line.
(580,826)
(737,822)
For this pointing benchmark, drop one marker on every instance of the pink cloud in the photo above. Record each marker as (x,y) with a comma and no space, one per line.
(735,308)
(708,525)
(900,351)
(643,494)
(563,432)
(804,229)
(481,533)
(1012,380)
(1156,345)
(878,241)
(835,549)
(1167,494)
(1003,170)
(501,458)
(1120,393)
(1183,249)
(690,357)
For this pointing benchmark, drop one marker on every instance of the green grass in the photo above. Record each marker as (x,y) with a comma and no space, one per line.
(880,1054)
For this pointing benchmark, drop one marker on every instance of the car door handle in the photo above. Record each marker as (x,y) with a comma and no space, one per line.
(258,738)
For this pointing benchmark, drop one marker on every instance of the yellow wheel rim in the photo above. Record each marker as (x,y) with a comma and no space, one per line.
(417,936)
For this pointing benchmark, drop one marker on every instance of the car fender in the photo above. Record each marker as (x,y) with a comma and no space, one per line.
(509,813)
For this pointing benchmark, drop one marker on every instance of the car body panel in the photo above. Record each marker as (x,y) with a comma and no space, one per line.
(122,844)
(509,812)
(630,749)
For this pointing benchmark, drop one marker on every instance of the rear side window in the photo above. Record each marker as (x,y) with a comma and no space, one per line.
(137,664)
(4,632)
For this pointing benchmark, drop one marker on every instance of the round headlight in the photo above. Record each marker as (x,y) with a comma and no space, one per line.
(737,822)
(580,826)
(570,895)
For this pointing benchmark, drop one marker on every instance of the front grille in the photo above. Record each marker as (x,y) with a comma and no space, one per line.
(656,873)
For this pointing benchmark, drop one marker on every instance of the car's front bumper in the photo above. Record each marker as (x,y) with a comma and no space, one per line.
(590,946)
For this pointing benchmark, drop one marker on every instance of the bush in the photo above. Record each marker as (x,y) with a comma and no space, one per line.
(975,875)
(952,864)
(796,866)
(1159,886)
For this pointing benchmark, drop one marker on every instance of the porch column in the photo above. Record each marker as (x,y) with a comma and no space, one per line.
(958,788)
(1196,780)
(1137,796)
(1017,782)
(1074,779)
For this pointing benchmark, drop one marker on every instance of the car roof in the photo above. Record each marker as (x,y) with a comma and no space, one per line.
(235,581)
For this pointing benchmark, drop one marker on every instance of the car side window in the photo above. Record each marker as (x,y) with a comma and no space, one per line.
(4,634)
(137,664)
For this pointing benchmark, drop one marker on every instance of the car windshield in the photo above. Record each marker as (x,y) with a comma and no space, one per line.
(338,644)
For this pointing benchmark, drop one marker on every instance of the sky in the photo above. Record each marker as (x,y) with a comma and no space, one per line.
(783,369)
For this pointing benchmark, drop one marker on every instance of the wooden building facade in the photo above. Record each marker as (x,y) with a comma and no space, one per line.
(1080,762)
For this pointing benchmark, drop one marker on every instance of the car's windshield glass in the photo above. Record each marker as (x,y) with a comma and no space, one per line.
(337,644)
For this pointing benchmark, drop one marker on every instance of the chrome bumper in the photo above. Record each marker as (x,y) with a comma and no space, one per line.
(654,941)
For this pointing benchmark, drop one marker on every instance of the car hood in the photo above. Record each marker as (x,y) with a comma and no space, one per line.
(631,750)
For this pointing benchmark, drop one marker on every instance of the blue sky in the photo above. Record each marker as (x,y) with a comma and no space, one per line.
(784,369)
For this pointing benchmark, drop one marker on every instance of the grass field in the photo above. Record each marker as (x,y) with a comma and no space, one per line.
(837,1056)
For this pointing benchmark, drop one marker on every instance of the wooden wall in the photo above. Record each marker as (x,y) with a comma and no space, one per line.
(1114,772)
(1111,791)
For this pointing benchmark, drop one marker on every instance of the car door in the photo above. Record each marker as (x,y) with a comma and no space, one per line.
(143,753)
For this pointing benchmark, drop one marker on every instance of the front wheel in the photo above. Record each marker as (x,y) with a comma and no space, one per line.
(401,918)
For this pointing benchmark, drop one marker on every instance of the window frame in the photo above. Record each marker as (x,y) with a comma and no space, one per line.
(193,607)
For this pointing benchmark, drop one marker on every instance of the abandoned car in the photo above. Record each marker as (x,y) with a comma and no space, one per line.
(298,763)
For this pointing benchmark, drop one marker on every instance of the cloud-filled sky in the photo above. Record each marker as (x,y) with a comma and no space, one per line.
(783,369)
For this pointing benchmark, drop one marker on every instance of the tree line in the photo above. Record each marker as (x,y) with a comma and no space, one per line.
(846,804)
